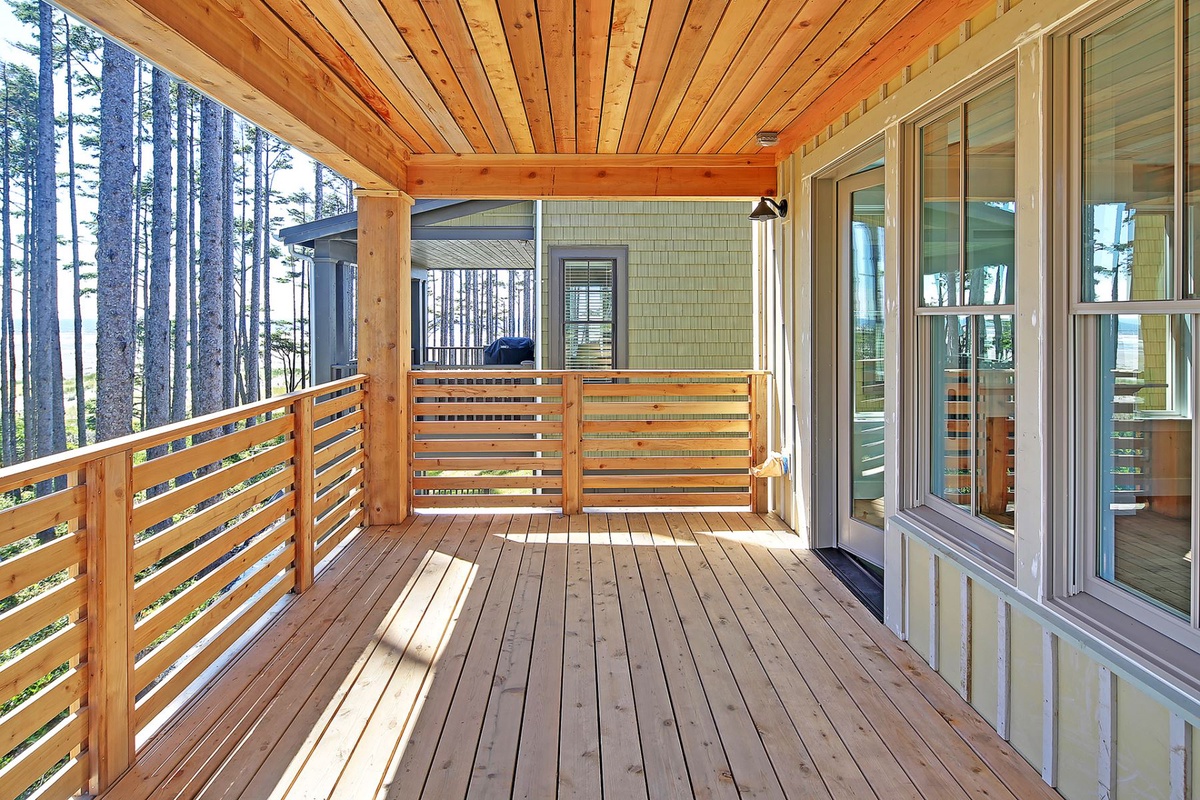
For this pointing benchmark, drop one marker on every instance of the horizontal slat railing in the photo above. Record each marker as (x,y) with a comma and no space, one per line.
(576,439)
(129,568)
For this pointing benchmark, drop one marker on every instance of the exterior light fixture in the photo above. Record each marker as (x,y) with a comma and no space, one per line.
(767,210)
(767,138)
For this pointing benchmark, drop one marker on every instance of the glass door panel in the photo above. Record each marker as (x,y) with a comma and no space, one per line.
(861,260)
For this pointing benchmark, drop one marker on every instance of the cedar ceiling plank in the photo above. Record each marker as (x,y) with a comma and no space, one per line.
(525,48)
(624,49)
(930,22)
(701,23)
(727,41)
(507,135)
(381,91)
(843,40)
(593,24)
(781,26)
(662,32)
(208,46)
(449,79)
(365,23)
(733,103)
(287,45)
(487,31)
(557,24)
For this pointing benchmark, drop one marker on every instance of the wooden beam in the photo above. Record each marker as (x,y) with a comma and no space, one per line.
(261,71)
(384,354)
(922,28)
(587,177)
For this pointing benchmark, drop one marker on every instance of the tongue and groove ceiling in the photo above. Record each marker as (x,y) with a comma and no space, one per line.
(373,81)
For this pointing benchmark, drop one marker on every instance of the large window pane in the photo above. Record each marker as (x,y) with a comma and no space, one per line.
(1192,147)
(991,200)
(588,302)
(1145,456)
(971,436)
(1128,157)
(941,193)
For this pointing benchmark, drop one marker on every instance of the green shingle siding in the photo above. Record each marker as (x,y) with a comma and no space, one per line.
(690,275)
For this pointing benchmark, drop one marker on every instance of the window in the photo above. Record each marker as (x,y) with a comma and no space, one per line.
(1134,310)
(965,307)
(587,310)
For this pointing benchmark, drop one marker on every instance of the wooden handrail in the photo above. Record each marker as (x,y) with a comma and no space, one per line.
(30,472)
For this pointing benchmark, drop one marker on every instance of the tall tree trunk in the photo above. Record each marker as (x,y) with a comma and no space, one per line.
(28,257)
(268,366)
(318,190)
(183,233)
(114,246)
(210,351)
(46,357)
(156,386)
(8,361)
(76,277)
(229,306)
(258,232)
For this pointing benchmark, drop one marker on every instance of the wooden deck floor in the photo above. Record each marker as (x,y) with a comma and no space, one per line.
(621,655)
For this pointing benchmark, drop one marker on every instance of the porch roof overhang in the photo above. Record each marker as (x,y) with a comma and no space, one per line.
(644,98)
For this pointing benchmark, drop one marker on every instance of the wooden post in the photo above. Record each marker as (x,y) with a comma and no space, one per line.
(572,446)
(302,415)
(758,439)
(384,349)
(110,617)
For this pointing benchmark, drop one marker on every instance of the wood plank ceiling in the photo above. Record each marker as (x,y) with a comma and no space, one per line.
(371,86)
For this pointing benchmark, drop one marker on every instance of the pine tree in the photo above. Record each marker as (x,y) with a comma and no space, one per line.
(209,366)
(114,246)
(46,358)
(183,234)
(156,386)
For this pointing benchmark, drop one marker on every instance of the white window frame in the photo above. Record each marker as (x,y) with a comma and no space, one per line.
(1075,580)
(980,535)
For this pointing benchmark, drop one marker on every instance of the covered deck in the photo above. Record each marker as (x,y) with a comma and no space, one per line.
(621,655)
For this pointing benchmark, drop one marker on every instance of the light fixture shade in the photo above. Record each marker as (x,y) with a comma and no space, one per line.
(767,210)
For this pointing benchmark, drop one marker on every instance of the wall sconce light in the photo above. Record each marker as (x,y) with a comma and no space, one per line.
(767,210)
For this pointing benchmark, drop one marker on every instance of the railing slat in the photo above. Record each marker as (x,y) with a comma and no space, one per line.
(24,520)
(25,769)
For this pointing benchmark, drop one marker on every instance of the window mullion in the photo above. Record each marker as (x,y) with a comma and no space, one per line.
(1195,440)
(962,203)
(1177,229)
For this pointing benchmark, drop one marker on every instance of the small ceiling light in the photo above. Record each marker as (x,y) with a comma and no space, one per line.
(767,210)
(767,138)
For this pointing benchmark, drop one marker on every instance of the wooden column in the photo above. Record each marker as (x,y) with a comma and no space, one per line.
(572,444)
(110,617)
(758,440)
(384,354)
(302,416)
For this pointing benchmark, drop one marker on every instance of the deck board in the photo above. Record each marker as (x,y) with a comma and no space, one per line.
(633,655)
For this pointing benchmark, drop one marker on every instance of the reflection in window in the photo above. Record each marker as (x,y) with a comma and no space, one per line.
(1128,157)
(867,300)
(971,438)
(968,206)
(1145,456)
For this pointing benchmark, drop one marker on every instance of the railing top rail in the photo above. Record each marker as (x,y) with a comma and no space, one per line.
(40,469)
(426,374)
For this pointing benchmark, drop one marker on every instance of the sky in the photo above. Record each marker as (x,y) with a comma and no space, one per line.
(299,177)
